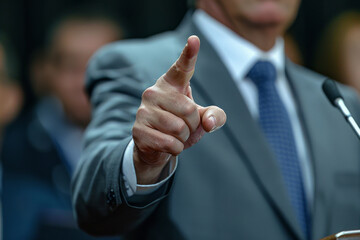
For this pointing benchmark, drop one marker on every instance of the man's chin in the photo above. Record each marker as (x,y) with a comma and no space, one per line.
(269,13)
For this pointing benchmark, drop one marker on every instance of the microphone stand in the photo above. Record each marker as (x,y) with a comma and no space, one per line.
(340,104)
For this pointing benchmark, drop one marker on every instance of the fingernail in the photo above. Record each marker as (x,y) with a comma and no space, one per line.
(213,122)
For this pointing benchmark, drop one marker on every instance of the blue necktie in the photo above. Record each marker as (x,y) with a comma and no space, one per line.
(275,123)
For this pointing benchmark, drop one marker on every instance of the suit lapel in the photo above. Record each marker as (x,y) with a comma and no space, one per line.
(213,82)
(310,99)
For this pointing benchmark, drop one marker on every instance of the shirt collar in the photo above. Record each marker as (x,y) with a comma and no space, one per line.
(237,54)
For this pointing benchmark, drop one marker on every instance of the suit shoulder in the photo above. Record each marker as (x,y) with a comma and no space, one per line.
(142,60)
(314,79)
(306,73)
(159,48)
(318,79)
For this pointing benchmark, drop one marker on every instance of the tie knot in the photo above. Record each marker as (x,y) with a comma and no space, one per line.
(262,72)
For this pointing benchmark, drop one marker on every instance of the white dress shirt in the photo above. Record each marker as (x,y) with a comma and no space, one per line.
(239,55)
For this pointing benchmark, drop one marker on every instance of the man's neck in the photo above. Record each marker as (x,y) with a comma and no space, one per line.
(263,38)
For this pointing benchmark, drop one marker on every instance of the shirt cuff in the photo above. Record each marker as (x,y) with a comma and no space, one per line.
(129,174)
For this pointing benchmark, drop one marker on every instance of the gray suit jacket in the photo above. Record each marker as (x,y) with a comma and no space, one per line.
(228,186)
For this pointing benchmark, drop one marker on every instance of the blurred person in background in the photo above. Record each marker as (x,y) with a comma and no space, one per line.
(41,149)
(10,92)
(338,53)
(292,49)
(11,96)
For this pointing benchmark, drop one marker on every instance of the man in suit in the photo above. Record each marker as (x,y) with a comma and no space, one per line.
(284,166)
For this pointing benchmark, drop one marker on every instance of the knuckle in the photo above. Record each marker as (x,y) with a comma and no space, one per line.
(149,93)
(180,127)
(136,129)
(182,65)
(173,146)
(189,109)
(174,72)
(169,144)
(137,133)
(164,120)
(140,144)
(142,112)
(176,67)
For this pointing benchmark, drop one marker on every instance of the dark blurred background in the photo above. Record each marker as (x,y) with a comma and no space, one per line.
(26,21)
(41,143)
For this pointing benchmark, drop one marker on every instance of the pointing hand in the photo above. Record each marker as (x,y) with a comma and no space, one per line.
(168,120)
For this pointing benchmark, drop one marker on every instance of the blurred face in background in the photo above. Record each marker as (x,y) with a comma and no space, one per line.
(338,51)
(73,45)
(10,94)
(351,57)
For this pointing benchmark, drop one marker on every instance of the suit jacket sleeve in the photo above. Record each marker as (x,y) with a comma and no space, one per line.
(101,206)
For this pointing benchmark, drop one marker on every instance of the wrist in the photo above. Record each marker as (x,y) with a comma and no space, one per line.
(148,172)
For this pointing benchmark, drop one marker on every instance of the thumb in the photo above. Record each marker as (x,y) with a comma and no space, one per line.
(212,118)
(182,70)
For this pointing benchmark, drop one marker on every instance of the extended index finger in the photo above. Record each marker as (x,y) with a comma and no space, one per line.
(181,71)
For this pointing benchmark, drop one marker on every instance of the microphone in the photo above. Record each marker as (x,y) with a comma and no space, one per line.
(332,93)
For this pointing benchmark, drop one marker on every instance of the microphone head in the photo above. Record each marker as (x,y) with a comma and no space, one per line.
(331,91)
